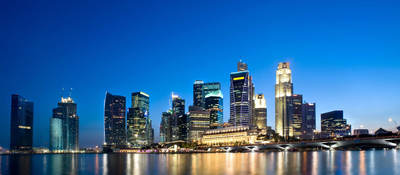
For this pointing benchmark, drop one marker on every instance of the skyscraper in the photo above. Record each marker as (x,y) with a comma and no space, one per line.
(64,126)
(198,93)
(138,121)
(308,120)
(180,120)
(56,134)
(166,127)
(114,120)
(201,90)
(334,125)
(297,116)
(260,112)
(199,122)
(241,97)
(283,99)
(214,105)
(21,124)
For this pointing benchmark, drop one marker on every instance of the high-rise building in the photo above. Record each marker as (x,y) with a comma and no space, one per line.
(198,93)
(283,99)
(64,126)
(114,120)
(241,96)
(199,123)
(201,90)
(166,127)
(308,120)
(180,120)
(139,128)
(297,119)
(21,124)
(56,134)
(214,105)
(334,125)
(260,112)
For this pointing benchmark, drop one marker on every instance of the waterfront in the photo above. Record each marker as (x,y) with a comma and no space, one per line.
(312,162)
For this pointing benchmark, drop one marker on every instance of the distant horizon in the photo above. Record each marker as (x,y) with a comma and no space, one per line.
(343,58)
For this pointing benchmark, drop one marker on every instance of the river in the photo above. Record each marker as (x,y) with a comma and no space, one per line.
(312,162)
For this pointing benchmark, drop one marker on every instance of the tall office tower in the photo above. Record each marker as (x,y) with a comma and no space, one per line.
(201,90)
(260,112)
(199,123)
(114,120)
(334,125)
(297,116)
(138,121)
(214,105)
(198,93)
(64,126)
(166,127)
(308,120)
(179,119)
(56,133)
(21,124)
(241,97)
(283,99)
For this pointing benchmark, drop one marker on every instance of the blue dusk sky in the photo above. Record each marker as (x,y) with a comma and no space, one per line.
(344,55)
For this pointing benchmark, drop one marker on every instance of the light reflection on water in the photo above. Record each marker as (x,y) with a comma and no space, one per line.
(316,162)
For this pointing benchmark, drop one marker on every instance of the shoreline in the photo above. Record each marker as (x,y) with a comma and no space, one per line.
(373,149)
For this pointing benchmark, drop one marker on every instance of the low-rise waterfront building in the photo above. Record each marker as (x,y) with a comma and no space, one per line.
(334,125)
(358,132)
(230,136)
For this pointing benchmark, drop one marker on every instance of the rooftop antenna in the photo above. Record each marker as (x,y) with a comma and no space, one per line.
(62,92)
(241,58)
(169,100)
(70,92)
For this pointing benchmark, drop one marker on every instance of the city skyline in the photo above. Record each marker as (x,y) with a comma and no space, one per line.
(335,72)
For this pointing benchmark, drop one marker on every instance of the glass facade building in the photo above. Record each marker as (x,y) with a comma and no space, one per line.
(241,97)
(214,104)
(166,127)
(334,125)
(114,120)
(139,129)
(283,100)
(64,126)
(198,93)
(56,134)
(308,120)
(21,129)
(180,120)
(297,116)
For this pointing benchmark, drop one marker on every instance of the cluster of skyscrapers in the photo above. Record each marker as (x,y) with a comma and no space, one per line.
(134,132)
(132,127)
(246,109)
(293,117)
(206,113)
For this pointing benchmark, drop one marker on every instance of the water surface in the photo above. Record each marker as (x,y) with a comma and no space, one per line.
(315,162)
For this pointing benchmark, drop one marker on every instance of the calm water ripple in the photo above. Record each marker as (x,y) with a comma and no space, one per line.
(316,162)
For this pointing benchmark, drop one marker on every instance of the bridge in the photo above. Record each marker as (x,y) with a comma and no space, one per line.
(331,144)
